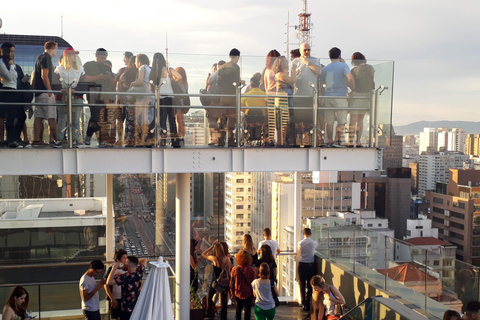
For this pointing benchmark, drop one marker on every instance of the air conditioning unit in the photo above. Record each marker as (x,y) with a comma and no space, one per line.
(447,213)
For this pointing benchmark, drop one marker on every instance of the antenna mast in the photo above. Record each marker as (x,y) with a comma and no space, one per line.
(61,27)
(304,25)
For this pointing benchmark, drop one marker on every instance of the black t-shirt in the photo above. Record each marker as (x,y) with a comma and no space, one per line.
(271,264)
(93,68)
(44,61)
(227,75)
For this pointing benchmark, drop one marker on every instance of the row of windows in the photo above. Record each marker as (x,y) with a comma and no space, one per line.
(457,225)
(437,200)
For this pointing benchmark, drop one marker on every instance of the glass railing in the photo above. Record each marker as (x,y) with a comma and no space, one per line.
(377,308)
(61,299)
(435,280)
(96,116)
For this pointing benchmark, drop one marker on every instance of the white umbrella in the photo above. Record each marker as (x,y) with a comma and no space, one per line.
(154,300)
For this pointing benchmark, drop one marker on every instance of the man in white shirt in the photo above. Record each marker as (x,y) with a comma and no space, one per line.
(267,234)
(89,290)
(306,267)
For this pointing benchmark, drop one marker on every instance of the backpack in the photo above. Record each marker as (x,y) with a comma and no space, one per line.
(222,283)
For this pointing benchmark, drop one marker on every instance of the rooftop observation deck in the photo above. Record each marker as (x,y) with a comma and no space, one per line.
(305,150)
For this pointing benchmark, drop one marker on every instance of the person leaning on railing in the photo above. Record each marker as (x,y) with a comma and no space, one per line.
(327,300)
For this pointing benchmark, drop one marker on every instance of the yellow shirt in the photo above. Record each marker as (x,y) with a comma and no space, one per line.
(254,101)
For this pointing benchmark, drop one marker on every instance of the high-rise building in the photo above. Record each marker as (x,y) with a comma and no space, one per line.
(455,211)
(238,189)
(194,122)
(428,140)
(433,168)
(393,153)
(389,196)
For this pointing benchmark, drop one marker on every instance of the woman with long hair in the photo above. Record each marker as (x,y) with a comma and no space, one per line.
(8,73)
(250,248)
(126,78)
(240,284)
(270,89)
(220,262)
(267,257)
(284,82)
(141,85)
(17,304)
(363,75)
(70,72)
(262,290)
(163,76)
(325,299)
(183,101)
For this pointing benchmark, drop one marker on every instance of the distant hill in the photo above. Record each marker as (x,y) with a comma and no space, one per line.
(417,127)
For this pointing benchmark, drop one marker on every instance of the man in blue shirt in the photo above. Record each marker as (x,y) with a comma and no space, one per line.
(338,79)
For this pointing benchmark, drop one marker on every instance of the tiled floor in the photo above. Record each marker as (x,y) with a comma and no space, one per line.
(284,312)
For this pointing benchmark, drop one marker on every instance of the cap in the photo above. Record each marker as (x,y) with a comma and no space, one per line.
(69,50)
(101,52)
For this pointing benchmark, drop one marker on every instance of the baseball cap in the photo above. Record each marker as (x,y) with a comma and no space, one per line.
(69,50)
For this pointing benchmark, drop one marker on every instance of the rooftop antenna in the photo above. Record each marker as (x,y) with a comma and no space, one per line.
(61,27)
(304,25)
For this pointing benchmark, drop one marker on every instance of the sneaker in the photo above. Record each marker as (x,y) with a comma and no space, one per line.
(87,140)
(15,145)
(56,144)
(105,145)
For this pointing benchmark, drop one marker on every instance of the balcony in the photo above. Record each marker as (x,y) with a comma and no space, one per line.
(253,146)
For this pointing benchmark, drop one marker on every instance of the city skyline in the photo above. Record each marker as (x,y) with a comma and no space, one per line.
(433,46)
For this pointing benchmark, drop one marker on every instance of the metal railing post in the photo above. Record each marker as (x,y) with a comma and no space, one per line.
(70,128)
(157,115)
(372,120)
(238,105)
(315,116)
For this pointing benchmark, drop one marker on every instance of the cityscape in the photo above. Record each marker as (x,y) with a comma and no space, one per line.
(393,211)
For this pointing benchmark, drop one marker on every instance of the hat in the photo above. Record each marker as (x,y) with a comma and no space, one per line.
(101,52)
(69,50)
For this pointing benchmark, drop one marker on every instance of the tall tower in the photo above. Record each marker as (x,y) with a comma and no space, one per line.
(304,25)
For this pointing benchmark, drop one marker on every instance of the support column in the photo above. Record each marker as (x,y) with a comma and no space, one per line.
(110,223)
(297,223)
(182,247)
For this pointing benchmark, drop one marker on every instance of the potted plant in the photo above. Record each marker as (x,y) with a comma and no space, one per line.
(196,310)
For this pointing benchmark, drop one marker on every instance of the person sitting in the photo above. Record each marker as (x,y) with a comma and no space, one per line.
(256,113)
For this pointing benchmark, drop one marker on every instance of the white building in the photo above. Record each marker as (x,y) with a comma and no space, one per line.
(428,140)
(421,227)
(433,168)
(238,188)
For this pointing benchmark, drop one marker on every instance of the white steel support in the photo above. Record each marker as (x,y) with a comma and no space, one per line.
(110,222)
(297,223)
(182,247)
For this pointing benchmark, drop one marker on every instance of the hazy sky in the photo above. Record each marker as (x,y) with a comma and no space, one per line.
(435,44)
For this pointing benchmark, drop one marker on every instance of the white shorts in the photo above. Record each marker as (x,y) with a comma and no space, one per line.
(46,112)
(332,115)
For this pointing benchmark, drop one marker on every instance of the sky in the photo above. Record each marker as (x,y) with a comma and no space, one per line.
(435,45)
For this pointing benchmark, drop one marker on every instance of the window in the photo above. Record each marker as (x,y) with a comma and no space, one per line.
(436,263)
(437,200)
(239,216)
(239,206)
(418,227)
(240,180)
(370,225)
(239,189)
(239,198)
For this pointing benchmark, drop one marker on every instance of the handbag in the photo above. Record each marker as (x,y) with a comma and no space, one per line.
(274,295)
(338,309)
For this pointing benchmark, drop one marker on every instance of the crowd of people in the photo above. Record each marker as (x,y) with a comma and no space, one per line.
(248,279)
(116,119)
(282,118)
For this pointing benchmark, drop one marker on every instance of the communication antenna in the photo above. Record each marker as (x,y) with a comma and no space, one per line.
(304,26)
(61,27)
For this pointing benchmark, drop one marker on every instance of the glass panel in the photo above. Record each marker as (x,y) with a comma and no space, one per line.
(282,119)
